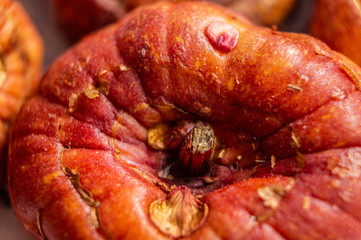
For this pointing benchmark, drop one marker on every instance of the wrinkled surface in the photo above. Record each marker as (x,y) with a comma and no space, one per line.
(20,65)
(284,109)
(81,17)
(338,23)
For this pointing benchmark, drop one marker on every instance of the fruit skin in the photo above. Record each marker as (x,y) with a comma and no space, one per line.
(338,23)
(80,166)
(78,18)
(21,53)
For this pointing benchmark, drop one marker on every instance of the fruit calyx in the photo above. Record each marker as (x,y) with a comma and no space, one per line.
(179,214)
(192,145)
(197,148)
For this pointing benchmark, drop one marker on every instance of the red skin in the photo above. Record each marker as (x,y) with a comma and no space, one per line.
(21,53)
(338,23)
(288,94)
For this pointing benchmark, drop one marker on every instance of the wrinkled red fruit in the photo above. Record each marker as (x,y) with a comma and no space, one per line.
(97,153)
(21,53)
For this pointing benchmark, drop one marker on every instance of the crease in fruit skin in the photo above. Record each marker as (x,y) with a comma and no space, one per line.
(73,176)
(145,176)
(39,225)
(349,71)
(87,197)
(94,215)
(165,187)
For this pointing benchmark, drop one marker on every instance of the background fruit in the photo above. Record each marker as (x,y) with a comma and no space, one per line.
(21,56)
(81,17)
(338,23)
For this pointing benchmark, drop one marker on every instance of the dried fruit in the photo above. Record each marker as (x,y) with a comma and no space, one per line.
(21,53)
(120,175)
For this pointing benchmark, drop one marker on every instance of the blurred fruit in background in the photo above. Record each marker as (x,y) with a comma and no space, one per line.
(80,17)
(338,23)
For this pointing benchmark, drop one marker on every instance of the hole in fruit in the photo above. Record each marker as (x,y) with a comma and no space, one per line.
(204,157)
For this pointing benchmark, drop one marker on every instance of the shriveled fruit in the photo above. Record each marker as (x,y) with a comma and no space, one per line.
(98,153)
(20,66)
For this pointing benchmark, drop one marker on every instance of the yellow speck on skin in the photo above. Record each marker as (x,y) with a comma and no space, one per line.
(197,64)
(140,106)
(271,195)
(124,68)
(179,39)
(91,92)
(290,65)
(332,109)
(72,102)
(51,176)
(2,74)
(273,161)
(295,141)
(328,116)
(306,203)
(335,183)
(97,191)
(230,84)
(339,144)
